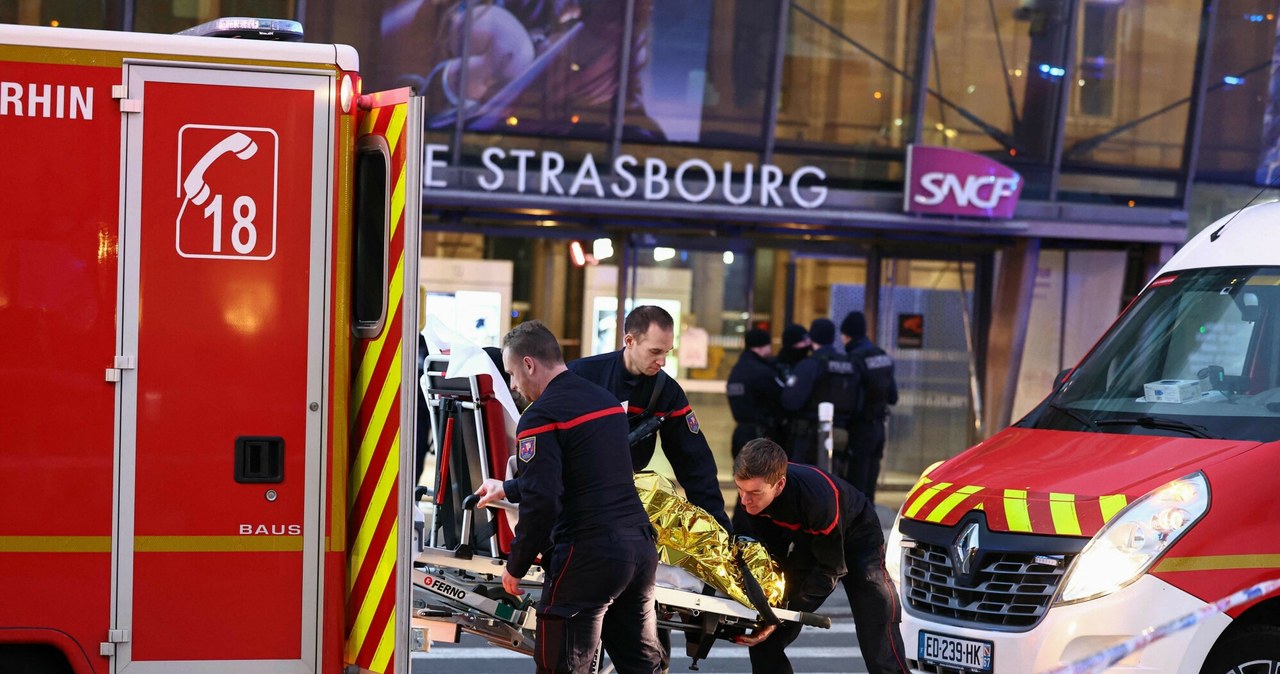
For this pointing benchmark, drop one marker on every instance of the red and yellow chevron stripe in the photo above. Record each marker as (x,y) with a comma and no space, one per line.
(373,494)
(1015,510)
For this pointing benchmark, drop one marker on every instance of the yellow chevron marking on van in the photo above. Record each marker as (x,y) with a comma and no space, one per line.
(1063,509)
(1111,505)
(918,485)
(1015,510)
(926,497)
(950,503)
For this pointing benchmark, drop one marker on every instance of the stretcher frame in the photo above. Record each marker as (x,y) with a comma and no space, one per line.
(462,585)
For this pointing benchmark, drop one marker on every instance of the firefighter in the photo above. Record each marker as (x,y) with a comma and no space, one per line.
(754,391)
(879,391)
(826,376)
(656,401)
(579,509)
(825,532)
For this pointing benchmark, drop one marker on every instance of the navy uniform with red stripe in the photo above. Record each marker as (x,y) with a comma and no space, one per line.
(682,440)
(580,510)
(833,536)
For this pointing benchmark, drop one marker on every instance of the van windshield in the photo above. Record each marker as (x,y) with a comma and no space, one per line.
(1198,355)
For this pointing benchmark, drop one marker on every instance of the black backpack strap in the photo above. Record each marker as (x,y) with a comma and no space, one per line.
(648,422)
(659,380)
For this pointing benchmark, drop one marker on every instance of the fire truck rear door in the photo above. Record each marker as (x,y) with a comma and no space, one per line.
(223,249)
(388,208)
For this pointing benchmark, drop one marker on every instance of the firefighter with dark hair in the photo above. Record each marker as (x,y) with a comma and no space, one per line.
(826,376)
(580,510)
(879,391)
(824,532)
(657,406)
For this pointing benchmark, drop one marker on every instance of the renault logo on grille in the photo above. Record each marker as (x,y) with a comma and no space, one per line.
(964,550)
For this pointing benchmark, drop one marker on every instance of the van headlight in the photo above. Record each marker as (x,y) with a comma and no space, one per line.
(1135,538)
(893,552)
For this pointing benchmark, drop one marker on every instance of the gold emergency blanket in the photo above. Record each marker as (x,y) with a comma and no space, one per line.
(690,538)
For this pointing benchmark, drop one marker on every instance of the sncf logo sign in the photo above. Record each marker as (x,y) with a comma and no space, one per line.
(954,182)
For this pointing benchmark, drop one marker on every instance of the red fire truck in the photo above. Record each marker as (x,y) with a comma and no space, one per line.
(1141,491)
(203,387)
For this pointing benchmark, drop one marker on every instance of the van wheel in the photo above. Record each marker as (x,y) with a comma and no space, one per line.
(1252,650)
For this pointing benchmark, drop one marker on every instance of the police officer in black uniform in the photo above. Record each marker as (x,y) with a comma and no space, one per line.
(579,509)
(826,376)
(796,346)
(825,532)
(879,391)
(755,392)
(654,400)
(755,398)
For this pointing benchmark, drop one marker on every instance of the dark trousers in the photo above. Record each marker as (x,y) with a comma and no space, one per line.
(866,451)
(806,446)
(876,614)
(599,591)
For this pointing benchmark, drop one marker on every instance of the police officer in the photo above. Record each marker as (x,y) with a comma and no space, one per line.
(755,392)
(879,391)
(654,400)
(825,376)
(796,346)
(755,398)
(579,509)
(825,532)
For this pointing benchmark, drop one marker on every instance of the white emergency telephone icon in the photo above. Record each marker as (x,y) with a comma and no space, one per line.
(194,186)
(237,192)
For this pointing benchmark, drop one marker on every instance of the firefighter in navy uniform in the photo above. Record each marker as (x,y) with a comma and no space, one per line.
(579,509)
(754,390)
(879,391)
(826,376)
(654,400)
(824,532)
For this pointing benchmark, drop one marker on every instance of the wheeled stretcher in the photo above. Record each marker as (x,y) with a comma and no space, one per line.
(461,558)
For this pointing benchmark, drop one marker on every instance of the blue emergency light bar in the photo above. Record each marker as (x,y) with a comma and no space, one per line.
(249,28)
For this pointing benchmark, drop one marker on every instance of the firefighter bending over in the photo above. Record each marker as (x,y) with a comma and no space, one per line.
(824,532)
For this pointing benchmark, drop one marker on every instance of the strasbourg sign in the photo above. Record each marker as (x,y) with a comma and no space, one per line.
(942,181)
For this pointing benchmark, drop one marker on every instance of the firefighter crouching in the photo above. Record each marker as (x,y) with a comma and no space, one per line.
(826,376)
(823,533)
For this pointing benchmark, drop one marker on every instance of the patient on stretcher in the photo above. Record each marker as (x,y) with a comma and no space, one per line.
(690,539)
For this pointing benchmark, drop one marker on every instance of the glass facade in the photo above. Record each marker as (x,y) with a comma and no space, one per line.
(846,87)
(1105,103)
(1072,93)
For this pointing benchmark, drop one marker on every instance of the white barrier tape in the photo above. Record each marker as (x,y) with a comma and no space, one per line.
(1109,656)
